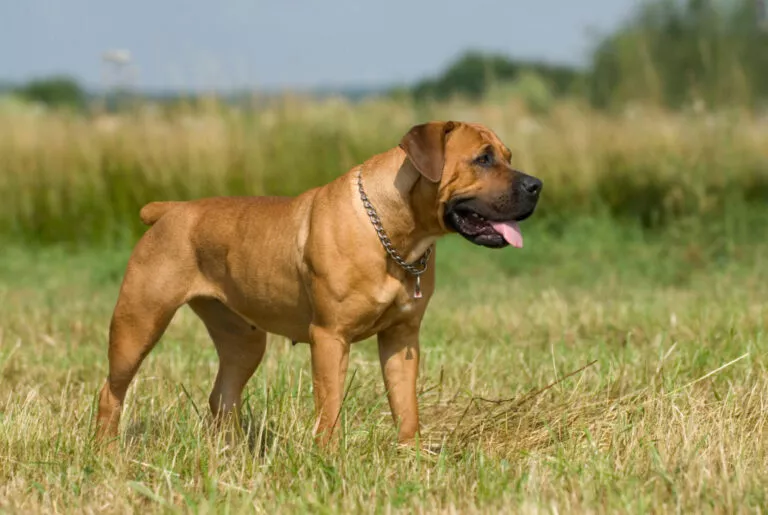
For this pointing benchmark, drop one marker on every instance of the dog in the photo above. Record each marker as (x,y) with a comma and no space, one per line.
(330,267)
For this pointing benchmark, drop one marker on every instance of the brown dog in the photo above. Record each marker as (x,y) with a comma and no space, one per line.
(333,266)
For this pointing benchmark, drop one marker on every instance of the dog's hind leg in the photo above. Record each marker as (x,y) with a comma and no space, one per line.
(240,347)
(149,297)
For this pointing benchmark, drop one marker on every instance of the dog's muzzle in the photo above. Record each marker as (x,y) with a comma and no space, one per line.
(495,224)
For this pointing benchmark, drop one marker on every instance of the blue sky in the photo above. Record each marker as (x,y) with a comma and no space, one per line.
(194,44)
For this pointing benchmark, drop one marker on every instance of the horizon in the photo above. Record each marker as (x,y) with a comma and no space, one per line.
(238,46)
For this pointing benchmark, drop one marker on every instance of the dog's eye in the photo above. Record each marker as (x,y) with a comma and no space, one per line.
(484,159)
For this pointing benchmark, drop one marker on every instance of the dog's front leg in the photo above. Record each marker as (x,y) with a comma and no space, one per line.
(330,357)
(399,355)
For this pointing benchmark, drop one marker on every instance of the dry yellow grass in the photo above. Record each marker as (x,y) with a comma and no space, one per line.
(61,171)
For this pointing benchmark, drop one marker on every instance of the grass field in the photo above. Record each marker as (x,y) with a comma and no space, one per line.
(628,368)
(616,363)
(73,179)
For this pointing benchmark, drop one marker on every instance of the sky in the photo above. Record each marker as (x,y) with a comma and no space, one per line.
(300,44)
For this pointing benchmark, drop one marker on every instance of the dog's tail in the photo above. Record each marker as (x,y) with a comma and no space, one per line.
(153,211)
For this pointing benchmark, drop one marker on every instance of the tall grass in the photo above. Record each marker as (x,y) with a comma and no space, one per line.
(71,178)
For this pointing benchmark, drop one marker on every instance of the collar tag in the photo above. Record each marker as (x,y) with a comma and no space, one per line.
(417,288)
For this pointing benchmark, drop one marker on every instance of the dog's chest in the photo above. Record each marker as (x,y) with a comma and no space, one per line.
(395,303)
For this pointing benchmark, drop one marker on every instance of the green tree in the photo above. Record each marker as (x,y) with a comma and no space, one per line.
(54,92)
(674,52)
(474,73)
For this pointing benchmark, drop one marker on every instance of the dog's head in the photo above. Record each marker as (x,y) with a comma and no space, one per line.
(479,194)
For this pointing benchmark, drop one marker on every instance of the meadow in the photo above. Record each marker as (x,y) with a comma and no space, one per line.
(617,363)
(68,178)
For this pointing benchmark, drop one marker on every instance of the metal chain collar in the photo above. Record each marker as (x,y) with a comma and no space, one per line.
(417,268)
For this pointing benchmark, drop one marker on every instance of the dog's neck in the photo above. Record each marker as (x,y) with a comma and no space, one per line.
(405,201)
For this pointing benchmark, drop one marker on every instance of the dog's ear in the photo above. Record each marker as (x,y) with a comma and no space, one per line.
(425,146)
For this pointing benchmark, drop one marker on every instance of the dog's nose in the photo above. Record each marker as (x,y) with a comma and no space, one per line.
(530,185)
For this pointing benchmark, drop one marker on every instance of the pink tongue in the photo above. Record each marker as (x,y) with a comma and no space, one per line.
(510,231)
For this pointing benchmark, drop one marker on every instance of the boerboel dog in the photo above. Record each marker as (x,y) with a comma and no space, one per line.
(333,266)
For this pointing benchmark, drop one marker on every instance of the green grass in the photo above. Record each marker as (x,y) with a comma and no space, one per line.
(645,428)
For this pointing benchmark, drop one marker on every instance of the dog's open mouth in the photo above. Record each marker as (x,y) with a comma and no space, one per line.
(483,228)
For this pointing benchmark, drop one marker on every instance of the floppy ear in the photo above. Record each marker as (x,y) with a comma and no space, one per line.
(425,146)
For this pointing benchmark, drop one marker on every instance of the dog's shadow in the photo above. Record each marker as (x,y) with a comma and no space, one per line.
(258,434)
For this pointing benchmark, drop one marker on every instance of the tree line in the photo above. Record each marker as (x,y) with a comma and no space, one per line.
(669,52)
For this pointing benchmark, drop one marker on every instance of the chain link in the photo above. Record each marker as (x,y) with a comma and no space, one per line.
(417,268)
